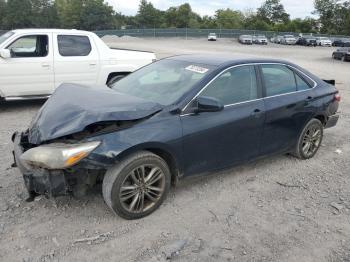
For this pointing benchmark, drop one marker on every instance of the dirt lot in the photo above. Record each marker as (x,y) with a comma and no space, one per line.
(276,209)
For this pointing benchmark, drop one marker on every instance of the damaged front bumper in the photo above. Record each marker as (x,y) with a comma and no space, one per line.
(39,181)
(56,182)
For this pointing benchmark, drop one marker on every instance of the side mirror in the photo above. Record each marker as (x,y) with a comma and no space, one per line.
(5,53)
(208,104)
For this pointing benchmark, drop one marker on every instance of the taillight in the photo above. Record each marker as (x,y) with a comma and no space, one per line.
(337,97)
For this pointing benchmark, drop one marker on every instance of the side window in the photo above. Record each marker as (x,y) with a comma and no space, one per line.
(278,79)
(301,84)
(73,45)
(235,85)
(30,46)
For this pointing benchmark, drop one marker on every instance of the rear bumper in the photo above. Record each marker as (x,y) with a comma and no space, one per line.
(39,181)
(332,120)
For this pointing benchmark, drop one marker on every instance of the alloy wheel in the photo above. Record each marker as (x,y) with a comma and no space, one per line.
(312,140)
(142,188)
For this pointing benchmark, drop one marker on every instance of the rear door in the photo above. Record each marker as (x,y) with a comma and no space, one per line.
(76,59)
(289,104)
(214,140)
(29,71)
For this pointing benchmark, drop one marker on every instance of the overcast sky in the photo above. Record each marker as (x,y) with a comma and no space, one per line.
(296,8)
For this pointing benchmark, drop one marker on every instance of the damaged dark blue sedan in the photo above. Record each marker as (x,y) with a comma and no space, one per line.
(177,117)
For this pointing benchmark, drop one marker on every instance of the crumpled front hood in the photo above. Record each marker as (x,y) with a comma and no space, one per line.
(72,108)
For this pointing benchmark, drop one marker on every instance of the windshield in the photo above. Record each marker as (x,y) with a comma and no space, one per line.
(289,36)
(163,82)
(5,36)
(324,38)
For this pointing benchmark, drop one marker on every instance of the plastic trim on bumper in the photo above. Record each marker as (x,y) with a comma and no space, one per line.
(332,121)
(39,181)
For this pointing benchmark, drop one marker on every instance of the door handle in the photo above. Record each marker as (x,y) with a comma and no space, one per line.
(92,64)
(46,65)
(309,98)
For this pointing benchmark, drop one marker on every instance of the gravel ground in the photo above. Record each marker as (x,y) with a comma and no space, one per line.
(275,209)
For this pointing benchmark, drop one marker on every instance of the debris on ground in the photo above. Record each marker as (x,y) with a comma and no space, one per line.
(173,249)
(338,207)
(94,240)
(290,185)
(338,151)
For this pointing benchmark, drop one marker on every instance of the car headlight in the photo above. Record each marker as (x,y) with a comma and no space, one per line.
(58,155)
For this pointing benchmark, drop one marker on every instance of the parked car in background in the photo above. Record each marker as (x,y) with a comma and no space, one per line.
(278,39)
(307,41)
(34,62)
(288,40)
(323,41)
(212,37)
(246,39)
(149,129)
(344,42)
(342,53)
(260,40)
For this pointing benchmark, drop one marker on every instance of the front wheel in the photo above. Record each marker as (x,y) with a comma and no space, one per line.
(137,186)
(310,140)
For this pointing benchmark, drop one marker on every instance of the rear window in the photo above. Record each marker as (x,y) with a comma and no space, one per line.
(73,45)
(280,79)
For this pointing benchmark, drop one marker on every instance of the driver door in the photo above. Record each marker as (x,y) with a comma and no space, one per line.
(29,71)
(215,140)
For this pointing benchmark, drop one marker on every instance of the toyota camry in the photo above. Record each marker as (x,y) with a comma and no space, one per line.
(177,117)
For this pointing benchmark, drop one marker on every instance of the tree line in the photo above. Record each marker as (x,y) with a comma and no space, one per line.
(334,16)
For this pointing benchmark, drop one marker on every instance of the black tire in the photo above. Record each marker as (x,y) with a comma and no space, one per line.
(299,151)
(115,79)
(116,177)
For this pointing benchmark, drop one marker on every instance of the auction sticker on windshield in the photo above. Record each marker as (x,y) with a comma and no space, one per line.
(197,69)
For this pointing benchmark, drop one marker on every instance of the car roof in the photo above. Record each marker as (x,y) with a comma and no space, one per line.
(223,60)
(47,30)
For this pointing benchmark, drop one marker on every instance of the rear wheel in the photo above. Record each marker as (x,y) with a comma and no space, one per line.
(137,186)
(309,140)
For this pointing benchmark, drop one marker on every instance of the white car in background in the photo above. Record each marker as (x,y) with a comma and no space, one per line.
(278,39)
(288,40)
(260,40)
(323,41)
(34,62)
(212,37)
(246,39)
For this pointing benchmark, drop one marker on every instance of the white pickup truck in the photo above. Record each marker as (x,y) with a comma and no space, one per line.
(33,62)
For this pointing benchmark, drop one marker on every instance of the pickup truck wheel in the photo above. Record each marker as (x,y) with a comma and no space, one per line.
(137,186)
(114,79)
(310,140)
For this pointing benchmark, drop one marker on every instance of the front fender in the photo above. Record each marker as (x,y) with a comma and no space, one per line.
(162,134)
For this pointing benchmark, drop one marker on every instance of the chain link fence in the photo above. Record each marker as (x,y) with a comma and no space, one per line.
(193,33)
